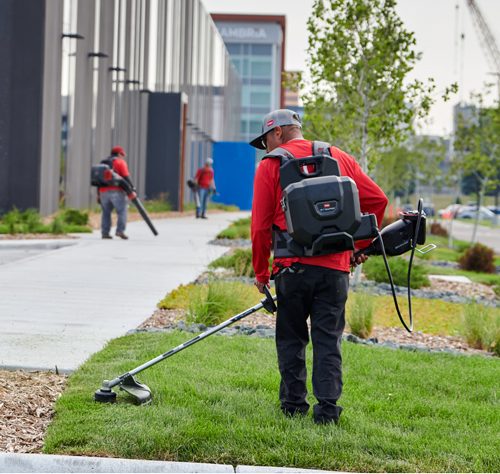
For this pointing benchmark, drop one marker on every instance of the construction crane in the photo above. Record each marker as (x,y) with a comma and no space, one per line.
(486,38)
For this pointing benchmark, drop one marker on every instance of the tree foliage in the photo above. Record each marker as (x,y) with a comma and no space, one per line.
(416,160)
(358,97)
(477,147)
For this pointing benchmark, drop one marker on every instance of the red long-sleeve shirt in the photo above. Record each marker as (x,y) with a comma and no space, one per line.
(266,209)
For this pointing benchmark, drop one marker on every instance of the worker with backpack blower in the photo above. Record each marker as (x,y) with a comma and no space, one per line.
(314,286)
(114,197)
(204,183)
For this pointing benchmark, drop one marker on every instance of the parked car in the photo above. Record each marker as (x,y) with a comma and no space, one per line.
(495,210)
(469,212)
(429,209)
(446,213)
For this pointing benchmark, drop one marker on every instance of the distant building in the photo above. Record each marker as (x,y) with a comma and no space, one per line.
(256,45)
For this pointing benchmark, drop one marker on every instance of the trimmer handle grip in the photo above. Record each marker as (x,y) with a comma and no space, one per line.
(268,301)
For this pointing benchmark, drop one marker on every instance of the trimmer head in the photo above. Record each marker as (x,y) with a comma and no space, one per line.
(129,385)
(105,395)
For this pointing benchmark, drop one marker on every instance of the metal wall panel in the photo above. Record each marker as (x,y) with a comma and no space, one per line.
(104,105)
(51,113)
(80,134)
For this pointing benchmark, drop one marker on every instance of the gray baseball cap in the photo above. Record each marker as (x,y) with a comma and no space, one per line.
(279,117)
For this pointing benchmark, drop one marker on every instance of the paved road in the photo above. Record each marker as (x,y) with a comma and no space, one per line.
(485,235)
(63,305)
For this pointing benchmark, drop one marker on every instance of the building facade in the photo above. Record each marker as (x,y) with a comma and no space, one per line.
(112,61)
(256,45)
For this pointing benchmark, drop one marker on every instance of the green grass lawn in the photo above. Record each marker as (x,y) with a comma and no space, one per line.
(218,402)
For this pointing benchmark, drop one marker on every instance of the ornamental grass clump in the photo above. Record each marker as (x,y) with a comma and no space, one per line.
(481,327)
(239,229)
(360,314)
(478,259)
(240,262)
(218,301)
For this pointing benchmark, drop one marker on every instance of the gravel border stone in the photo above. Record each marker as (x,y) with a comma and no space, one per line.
(266,332)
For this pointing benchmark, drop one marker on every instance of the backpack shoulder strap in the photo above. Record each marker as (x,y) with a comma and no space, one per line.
(281,153)
(109,161)
(321,148)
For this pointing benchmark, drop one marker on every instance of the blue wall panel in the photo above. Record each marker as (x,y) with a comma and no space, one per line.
(234,170)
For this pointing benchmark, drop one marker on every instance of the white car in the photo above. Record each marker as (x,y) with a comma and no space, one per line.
(456,208)
(469,212)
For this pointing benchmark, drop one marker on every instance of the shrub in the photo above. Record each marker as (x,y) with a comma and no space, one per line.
(75,217)
(11,220)
(178,298)
(57,226)
(478,259)
(239,229)
(32,222)
(438,230)
(374,269)
(240,261)
(496,289)
(481,327)
(360,314)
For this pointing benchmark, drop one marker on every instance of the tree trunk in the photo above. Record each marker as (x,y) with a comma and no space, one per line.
(450,236)
(482,189)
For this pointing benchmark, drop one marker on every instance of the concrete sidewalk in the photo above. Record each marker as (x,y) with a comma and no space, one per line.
(50,463)
(60,306)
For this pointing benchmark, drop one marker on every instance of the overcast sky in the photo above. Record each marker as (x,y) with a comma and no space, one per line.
(433,22)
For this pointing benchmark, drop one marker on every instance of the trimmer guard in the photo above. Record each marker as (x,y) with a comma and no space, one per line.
(136,389)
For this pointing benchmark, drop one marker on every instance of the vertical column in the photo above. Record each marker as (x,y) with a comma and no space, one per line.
(79,144)
(51,112)
(144,97)
(103,141)
(125,95)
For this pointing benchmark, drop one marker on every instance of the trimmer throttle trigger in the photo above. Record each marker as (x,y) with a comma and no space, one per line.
(268,301)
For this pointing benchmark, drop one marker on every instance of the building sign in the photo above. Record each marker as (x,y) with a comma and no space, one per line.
(246,32)
(242,33)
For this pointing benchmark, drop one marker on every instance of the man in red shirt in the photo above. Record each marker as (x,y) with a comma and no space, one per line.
(114,197)
(204,179)
(305,286)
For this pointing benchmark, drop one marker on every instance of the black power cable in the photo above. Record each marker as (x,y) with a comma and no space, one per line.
(414,246)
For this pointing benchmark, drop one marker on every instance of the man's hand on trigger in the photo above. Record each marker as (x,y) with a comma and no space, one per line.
(360,260)
(260,286)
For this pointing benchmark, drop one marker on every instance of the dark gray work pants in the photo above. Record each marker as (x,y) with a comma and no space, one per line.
(321,293)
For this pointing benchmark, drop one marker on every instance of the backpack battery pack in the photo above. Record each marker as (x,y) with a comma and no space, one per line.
(322,210)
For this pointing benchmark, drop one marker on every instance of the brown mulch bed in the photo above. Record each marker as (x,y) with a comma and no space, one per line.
(463,289)
(26,400)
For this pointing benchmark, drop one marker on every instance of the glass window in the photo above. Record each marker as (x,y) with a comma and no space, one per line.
(259,82)
(260,98)
(256,127)
(246,49)
(261,68)
(234,48)
(262,50)
(244,126)
(237,65)
(246,67)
